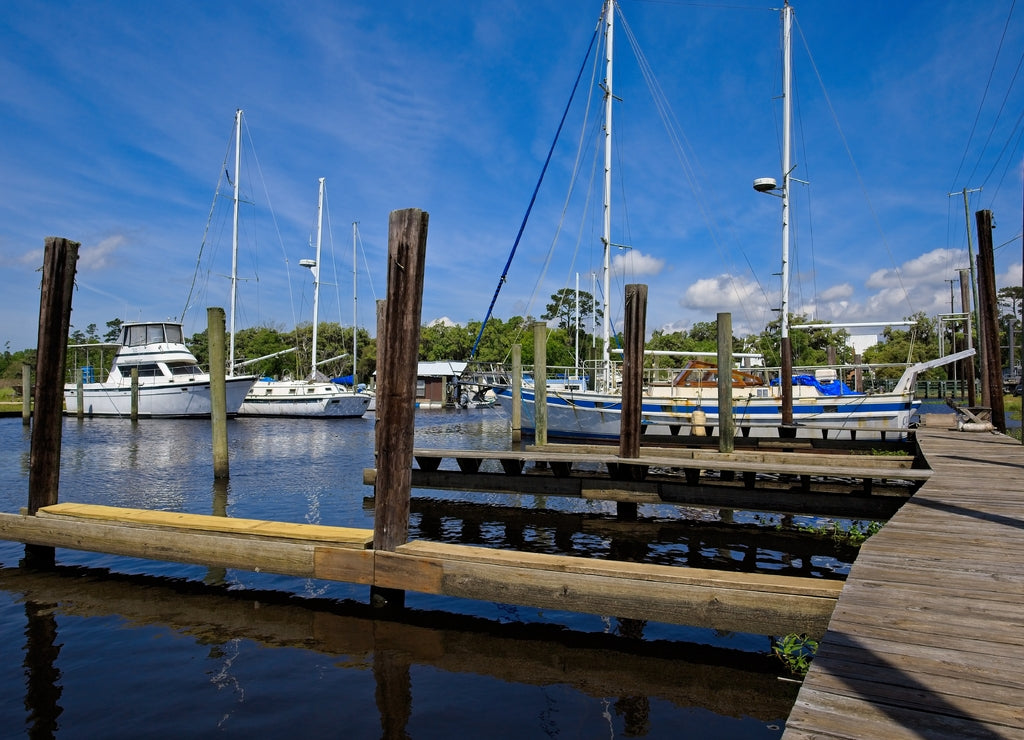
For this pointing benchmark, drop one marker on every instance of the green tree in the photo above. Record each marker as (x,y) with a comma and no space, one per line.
(563,307)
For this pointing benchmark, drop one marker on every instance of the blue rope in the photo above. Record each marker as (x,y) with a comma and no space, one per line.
(533,198)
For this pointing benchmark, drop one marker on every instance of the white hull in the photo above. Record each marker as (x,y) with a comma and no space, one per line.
(299,398)
(171,384)
(597,416)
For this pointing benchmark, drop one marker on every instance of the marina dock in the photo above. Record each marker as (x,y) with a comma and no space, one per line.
(927,638)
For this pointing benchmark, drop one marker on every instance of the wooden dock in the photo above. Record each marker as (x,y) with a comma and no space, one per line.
(927,640)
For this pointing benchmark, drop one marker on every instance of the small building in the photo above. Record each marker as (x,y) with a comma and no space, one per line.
(435,384)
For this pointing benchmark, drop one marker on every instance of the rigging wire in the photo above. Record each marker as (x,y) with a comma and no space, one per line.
(533,198)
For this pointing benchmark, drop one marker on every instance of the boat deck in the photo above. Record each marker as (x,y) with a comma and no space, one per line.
(927,638)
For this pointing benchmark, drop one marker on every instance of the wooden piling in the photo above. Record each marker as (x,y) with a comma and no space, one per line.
(726,423)
(540,383)
(517,393)
(60,256)
(135,394)
(634,327)
(80,394)
(396,386)
(26,393)
(218,392)
(988,321)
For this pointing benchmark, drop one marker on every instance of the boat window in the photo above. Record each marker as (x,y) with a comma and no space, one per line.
(186,370)
(172,332)
(149,370)
(135,335)
(154,333)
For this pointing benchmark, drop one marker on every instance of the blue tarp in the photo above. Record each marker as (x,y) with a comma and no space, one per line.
(835,388)
(343,380)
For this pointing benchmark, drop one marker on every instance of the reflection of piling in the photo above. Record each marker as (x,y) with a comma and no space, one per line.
(396,385)
(59,259)
(218,392)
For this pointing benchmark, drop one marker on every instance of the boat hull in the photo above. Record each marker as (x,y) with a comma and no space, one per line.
(157,400)
(301,399)
(598,417)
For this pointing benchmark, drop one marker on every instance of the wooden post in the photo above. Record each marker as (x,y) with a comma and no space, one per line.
(26,393)
(540,383)
(135,393)
(634,328)
(381,331)
(59,259)
(80,393)
(726,423)
(517,393)
(988,320)
(396,386)
(858,374)
(218,392)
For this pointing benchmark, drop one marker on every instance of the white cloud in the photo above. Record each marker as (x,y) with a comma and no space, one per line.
(723,292)
(634,263)
(101,255)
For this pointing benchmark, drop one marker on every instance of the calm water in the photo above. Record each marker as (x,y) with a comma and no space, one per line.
(119,647)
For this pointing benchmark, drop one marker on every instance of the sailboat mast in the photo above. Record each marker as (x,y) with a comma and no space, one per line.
(234,241)
(606,237)
(316,270)
(787,114)
(355,305)
(786,381)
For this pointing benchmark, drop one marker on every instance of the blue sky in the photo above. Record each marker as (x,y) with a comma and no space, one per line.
(116,118)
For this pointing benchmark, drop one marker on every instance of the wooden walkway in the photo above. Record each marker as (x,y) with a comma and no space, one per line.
(927,639)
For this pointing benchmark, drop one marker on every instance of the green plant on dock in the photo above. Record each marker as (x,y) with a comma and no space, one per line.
(795,651)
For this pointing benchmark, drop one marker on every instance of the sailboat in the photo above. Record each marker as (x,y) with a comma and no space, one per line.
(316,396)
(810,403)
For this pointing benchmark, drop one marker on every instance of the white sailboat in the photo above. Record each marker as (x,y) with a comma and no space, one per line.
(315,396)
(820,405)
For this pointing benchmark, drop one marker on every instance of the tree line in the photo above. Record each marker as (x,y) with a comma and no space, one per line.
(572,334)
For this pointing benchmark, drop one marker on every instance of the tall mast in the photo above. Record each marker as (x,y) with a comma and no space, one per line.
(316,270)
(234,241)
(606,237)
(786,381)
(355,306)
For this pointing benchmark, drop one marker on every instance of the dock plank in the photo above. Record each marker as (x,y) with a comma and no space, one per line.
(928,634)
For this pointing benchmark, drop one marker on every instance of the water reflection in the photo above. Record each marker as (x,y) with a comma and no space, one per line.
(231,629)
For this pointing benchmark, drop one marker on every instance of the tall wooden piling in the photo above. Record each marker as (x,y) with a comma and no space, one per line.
(135,394)
(59,260)
(396,386)
(726,423)
(988,320)
(517,392)
(540,383)
(26,393)
(634,328)
(218,392)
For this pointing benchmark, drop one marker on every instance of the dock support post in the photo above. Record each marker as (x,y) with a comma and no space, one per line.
(631,416)
(59,260)
(540,383)
(80,392)
(135,394)
(517,392)
(396,387)
(26,393)
(218,392)
(726,423)
(988,322)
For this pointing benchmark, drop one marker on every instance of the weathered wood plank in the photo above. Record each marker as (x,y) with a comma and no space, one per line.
(340,536)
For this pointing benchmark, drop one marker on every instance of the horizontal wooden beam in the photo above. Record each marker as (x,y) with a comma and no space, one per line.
(744,602)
